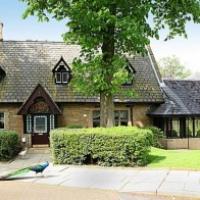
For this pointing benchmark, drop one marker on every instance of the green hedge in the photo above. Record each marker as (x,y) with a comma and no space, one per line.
(118,146)
(158,135)
(9,145)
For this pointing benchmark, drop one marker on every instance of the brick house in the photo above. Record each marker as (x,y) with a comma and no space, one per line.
(35,94)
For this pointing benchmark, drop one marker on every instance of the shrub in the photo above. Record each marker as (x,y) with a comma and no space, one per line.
(74,126)
(9,145)
(117,146)
(158,135)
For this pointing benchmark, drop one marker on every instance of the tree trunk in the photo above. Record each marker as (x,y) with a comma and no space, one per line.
(106,110)
(108,51)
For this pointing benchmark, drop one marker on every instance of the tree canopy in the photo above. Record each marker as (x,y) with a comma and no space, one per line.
(171,68)
(106,30)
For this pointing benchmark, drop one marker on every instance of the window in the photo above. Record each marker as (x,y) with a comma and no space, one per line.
(58,77)
(52,122)
(40,124)
(62,72)
(96,118)
(121,118)
(1,120)
(62,77)
(65,77)
(175,128)
(28,124)
(197,127)
(131,73)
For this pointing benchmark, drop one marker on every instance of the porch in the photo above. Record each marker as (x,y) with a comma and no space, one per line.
(182,132)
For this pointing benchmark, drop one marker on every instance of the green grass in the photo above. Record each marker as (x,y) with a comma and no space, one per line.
(175,159)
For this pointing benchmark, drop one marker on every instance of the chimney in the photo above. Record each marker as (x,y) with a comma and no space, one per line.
(1,31)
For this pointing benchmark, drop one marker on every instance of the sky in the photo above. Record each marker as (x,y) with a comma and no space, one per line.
(16,28)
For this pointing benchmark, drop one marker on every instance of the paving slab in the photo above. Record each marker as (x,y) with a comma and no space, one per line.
(145,181)
(97,178)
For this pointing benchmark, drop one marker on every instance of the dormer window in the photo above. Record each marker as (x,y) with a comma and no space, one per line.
(131,72)
(62,72)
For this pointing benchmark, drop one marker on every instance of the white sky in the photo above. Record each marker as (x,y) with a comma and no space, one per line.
(186,49)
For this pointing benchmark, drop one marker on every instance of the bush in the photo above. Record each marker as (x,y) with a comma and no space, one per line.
(74,126)
(158,135)
(9,145)
(118,146)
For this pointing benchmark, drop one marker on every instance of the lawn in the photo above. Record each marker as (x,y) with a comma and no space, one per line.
(176,159)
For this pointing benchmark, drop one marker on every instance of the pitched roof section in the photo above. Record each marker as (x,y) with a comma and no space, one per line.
(28,63)
(61,62)
(39,92)
(182,98)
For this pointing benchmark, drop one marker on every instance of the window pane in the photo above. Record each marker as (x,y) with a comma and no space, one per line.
(175,128)
(52,122)
(58,77)
(96,118)
(65,77)
(1,120)
(121,118)
(28,124)
(197,127)
(189,126)
(40,123)
(124,115)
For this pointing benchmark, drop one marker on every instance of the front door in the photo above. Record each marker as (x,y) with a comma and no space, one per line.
(40,133)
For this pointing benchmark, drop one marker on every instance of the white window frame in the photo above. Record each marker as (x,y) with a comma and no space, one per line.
(60,74)
(3,121)
(40,116)
(28,130)
(52,122)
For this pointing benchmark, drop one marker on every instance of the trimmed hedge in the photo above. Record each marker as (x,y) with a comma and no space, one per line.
(9,145)
(117,146)
(158,135)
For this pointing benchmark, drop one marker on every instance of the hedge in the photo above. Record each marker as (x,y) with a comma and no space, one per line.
(117,146)
(9,145)
(158,135)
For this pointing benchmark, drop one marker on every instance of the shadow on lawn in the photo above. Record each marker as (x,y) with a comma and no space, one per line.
(155,159)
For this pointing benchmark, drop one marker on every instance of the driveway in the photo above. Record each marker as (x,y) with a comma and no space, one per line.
(121,180)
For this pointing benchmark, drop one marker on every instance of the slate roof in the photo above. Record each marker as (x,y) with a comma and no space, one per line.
(29,63)
(182,98)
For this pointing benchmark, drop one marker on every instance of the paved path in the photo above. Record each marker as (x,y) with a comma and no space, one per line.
(12,190)
(122,180)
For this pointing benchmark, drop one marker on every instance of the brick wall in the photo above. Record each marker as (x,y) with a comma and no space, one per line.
(79,114)
(139,115)
(12,120)
(82,114)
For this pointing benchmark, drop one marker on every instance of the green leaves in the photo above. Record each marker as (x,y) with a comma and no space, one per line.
(172,68)
(107,30)
(9,145)
(119,146)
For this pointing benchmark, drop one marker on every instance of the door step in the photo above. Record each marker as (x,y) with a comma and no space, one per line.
(39,150)
(40,146)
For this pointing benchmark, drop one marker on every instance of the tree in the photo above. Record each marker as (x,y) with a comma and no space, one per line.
(106,30)
(172,68)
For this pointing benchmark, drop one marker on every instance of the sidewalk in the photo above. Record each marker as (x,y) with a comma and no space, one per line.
(121,180)
(31,191)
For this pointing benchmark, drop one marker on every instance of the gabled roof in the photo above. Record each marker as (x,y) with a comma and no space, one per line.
(39,92)
(61,62)
(28,63)
(182,98)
